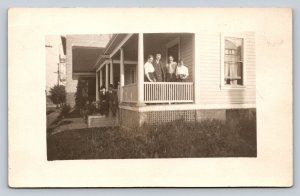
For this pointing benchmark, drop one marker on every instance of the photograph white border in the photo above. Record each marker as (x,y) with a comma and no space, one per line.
(28,165)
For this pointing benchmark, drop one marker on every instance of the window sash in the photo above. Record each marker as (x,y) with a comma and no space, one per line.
(233,65)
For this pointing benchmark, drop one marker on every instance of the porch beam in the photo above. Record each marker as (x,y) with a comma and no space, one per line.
(140,71)
(100,67)
(125,62)
(121,73)
(120,45)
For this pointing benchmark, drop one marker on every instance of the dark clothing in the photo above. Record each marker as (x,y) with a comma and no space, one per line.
(171,77)
(104,104)
(159,72)
(180,80)
(113,102)
(151,75)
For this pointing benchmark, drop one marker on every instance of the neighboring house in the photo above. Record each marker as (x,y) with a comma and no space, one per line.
(82,52)
(221,76)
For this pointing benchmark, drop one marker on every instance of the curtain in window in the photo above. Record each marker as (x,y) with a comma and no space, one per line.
(233,61)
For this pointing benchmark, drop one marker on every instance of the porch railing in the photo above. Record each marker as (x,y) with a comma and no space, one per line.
(168,92)
(130,93)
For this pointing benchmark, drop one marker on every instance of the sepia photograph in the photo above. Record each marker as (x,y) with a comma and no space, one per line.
(150,95)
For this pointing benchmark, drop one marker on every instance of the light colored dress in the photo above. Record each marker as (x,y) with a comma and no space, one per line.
(182,72)
(149,69)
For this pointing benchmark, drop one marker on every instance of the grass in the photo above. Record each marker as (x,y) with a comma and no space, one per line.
(171,140)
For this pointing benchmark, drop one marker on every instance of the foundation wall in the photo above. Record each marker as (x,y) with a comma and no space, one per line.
(132,119)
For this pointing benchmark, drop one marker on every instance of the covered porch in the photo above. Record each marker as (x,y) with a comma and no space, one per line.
(123,66)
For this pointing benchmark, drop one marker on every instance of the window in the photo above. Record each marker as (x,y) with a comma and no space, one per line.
(233,69)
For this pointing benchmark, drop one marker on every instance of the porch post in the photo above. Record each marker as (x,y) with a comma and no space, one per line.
(121,74)
(140,71)
(106,76)
(101,80)
(111,72)
(97,87)
(196,68)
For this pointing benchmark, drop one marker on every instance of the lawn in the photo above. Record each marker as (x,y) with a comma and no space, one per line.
(171,140)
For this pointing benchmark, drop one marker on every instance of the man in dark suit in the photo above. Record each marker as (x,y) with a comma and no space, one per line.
(103,101)
(159,72)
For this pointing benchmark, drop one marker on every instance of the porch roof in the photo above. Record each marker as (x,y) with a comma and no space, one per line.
(111,45)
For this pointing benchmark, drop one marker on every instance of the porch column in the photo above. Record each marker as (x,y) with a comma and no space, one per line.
(106,76)
(97,86)
(121,73)
(140,71)
(196,68)
(111,72)
(101,80)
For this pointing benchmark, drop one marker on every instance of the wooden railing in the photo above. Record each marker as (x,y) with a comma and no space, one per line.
(130,93)
(168,92)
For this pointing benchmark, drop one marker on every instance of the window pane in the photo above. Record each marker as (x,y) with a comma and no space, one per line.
(233,65)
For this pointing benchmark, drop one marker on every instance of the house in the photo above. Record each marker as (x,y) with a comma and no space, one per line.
(81,53)
(221,80)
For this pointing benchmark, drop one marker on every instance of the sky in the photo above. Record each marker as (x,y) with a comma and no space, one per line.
(52,58)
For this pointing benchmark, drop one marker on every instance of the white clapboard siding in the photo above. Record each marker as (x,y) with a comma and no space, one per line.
(186,53)
(209,81)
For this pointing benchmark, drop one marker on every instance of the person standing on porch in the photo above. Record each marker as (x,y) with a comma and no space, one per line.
(159,72)
(171,67)
(181,72)
(149,70)
(112,100)
(103,101)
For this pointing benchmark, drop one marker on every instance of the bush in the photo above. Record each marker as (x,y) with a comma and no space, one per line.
(65,110)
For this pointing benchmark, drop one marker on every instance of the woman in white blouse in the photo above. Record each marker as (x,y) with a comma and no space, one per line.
(181,72)
(149,70)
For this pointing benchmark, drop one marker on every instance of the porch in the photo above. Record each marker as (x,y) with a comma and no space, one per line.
(123,66)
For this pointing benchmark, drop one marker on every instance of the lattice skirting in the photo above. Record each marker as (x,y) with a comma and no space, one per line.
(129,118)
(157,117)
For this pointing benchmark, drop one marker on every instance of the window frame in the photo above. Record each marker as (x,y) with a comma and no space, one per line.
(243,59)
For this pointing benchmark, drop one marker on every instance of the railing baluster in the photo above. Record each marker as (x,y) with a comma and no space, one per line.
(162,92)
(147,92)
(178,91)
(183,92)
(186,93)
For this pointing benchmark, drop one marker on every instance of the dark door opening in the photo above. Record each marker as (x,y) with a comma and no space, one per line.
(173,51)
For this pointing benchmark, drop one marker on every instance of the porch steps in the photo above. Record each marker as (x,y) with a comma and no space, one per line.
(102,121)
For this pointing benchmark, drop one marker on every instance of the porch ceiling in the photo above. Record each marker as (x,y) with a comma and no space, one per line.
(153,43)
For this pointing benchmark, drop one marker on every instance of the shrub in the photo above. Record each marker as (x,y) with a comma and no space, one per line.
(65,111)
